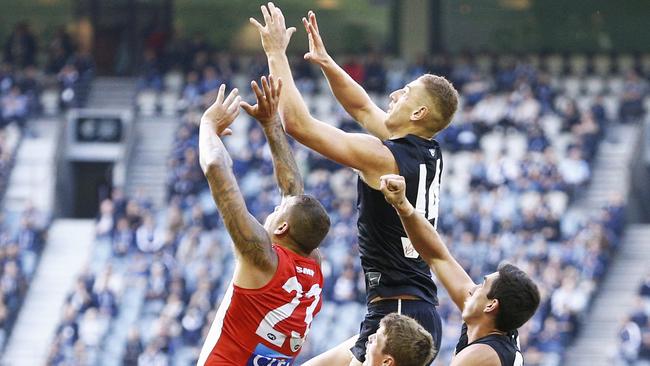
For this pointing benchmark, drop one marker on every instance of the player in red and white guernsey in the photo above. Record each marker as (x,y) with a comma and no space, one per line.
(275,292)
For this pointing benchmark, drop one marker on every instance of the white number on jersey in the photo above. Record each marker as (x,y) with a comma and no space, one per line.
(430,211)
(266,328)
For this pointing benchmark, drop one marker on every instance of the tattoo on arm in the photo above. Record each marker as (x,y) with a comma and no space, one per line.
(251,240)
(284,163)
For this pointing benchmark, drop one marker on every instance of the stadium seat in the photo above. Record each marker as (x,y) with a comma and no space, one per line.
(557,201)
(491,144)
(554,64)
(602,64)
(572,86)
(551,124)
(169,103)
(615,84)
(578,64)
(174,81)
(50,102)
(584,102)
(516,145)
(533,60)
(612,103)
(594,85)
(625,63)
(147,103)
(484,63)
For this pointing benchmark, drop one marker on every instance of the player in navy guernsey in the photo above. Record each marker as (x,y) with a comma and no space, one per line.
(492,311)
(397,279)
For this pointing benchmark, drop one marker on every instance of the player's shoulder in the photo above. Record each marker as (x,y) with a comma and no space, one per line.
(477,354)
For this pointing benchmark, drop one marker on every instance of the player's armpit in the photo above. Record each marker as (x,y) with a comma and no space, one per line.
(477,355)
(252,242)
(360,151)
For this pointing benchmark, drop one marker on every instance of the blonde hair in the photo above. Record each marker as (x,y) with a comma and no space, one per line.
(445,99)
(407,341)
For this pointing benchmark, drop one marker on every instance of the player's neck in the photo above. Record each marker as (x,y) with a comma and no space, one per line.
(290,245)
(480,330)
(427,135)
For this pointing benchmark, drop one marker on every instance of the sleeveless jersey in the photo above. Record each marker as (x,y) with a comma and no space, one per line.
(266,326)
(506,346)
(391,265)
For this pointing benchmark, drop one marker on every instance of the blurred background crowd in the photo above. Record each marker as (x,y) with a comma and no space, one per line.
(518,155)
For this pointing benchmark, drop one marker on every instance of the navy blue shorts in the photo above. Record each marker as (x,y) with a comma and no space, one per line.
(424,312)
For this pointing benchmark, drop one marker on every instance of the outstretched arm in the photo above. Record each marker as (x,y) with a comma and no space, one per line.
(359,151)
(252,243)
(348,92)
(427,242)
(266,113)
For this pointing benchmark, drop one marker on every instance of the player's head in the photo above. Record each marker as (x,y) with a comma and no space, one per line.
(507,298)
(425,105)
(300,221)
(399,341)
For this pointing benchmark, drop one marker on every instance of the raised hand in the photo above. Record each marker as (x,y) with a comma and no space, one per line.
(268,98)
(274,33)
(222,112)
(394,189)
(317,53)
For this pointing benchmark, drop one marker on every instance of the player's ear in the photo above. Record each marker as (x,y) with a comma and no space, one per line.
(491,306)
(420,113)
(282,229)
(388,361)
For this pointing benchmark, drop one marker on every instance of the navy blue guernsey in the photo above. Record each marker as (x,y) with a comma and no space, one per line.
(506,346)
(391,265)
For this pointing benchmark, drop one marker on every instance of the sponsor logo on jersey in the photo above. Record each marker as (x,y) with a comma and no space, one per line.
(373,278)
(264,356)
(409,250)
(432,152)
(307,271)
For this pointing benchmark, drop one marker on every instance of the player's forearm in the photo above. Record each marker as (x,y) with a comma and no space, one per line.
(211,148)
(422,234)
(250,238)
(348,92)
(284,163)
(427,242)
(355,100)
(294,111)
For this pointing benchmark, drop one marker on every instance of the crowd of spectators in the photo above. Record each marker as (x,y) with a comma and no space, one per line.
(22,81)
(516,156)
(24,77)
(20,246)
(634,334)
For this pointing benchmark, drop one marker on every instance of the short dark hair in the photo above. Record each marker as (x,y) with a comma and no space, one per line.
(407,341)
(308,222)
(444,95)
(518,297)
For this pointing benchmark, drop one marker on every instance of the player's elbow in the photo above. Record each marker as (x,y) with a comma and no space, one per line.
(293,122)
(214,164)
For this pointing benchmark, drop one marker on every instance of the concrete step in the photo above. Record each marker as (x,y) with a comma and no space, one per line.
(148,172)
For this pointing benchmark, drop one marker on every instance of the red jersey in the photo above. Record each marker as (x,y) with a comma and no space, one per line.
(266,326)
